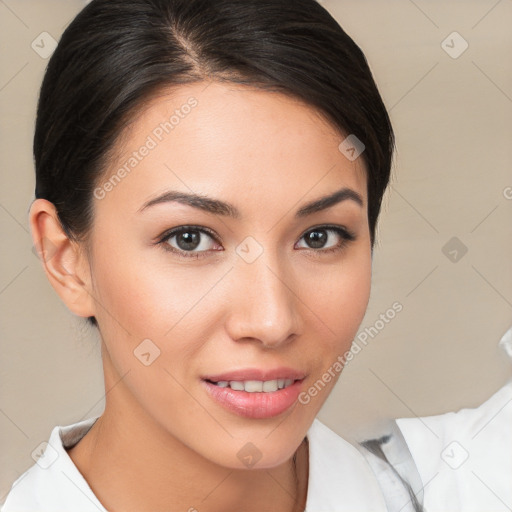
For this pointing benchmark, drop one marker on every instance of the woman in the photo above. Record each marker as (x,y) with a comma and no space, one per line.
(209,174)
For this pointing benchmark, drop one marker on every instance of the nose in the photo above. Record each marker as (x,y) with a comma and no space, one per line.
(265,302)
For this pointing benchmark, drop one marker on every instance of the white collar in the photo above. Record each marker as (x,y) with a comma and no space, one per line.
(54,483)
(340,479)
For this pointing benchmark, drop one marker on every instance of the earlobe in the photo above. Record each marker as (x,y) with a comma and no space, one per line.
(63,260)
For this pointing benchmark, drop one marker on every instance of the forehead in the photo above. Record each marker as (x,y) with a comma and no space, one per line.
(226,139)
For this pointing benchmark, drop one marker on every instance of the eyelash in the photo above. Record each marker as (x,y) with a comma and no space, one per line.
(346,236)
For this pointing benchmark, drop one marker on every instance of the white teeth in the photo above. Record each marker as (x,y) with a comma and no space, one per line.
(253,386)
(269,385)
(256,386)
(236,385)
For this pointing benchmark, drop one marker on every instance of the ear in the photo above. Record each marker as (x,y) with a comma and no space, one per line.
(64,261)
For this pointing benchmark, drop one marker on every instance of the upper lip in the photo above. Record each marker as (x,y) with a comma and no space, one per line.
(257,374)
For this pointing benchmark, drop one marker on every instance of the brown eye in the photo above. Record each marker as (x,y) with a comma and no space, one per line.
(188,241)
(327,238)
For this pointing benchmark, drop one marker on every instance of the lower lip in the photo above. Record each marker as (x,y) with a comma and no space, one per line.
(255,405)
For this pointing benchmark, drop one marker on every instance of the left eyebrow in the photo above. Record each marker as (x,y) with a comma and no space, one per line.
(218,207)
(327,201)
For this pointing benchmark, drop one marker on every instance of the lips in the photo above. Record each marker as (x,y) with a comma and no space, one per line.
(239,391)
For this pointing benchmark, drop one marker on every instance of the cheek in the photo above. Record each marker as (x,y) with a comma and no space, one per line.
(131,293)
(151,306)
(142,296)
(340,298)
(338,302)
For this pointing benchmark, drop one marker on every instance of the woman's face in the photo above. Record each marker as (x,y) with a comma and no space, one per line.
(252,287)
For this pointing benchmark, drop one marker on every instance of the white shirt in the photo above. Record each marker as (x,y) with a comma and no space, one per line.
(465,458)
(340,479)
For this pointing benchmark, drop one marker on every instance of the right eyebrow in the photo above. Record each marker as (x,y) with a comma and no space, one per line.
(208,204)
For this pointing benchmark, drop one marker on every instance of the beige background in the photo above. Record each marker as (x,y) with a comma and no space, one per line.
(453,166)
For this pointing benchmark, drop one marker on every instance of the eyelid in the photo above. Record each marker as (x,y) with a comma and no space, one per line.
(347,233)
